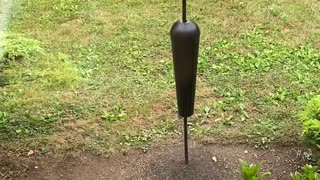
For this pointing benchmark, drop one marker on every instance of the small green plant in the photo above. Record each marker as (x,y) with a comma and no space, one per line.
(312,110)
(279,95)
(3,120)
(251,172)
(310,117)
(139,140)
(116,113)
(309,173)
(228,121)
(17,48)
(68,8)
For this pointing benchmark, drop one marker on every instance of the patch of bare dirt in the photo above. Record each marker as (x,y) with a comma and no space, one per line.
(158,163)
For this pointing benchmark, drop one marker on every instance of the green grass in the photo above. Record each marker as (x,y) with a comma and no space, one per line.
(102,78)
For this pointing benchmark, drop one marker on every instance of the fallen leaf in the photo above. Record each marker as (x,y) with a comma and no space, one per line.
(214,159)
(31,152)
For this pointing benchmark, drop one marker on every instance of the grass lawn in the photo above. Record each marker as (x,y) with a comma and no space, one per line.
(97,75)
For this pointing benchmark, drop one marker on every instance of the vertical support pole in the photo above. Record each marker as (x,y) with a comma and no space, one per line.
(186,156)
(184,10)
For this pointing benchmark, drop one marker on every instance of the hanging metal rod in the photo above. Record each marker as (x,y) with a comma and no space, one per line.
(184,10)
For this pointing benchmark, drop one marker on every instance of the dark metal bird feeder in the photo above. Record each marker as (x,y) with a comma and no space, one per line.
(185,36)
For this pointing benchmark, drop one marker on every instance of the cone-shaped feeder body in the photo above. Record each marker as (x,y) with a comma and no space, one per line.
(185,47)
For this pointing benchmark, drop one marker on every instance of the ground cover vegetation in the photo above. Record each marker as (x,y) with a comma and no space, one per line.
(253,172)
(97,75)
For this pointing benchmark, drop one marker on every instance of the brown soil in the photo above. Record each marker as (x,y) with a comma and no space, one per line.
(158,163)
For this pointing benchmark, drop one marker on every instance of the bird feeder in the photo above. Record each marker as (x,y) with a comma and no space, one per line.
(185,36)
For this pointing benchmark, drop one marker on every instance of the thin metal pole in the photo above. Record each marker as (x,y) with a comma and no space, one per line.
(184,10)
(186,140)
